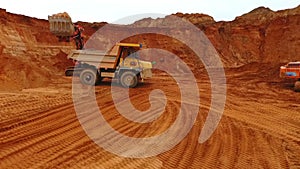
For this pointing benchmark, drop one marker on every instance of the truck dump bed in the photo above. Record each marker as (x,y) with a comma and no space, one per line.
(97,58)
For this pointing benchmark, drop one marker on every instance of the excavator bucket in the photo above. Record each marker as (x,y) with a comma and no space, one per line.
(61,25)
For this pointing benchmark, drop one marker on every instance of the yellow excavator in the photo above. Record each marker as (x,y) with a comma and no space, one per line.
(61,25)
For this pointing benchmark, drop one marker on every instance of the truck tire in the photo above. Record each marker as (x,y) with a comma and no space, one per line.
(69,72)
(129,79)
(297,86)
(89,77)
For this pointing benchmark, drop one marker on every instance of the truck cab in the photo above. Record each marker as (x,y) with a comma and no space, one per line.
(290,70)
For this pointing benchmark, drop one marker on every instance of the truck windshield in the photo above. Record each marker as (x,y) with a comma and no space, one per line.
(134,55)
(293,65)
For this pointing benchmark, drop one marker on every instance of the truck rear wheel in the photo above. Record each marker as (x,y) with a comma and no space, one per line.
(297,86)
(89,77)
(129,79)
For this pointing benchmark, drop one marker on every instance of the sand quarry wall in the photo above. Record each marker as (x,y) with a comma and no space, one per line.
(31,56)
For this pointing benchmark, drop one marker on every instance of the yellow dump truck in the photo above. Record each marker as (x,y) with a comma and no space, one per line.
(121,63)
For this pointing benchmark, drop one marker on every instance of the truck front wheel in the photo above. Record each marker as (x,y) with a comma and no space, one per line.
(129,79)
(89,77)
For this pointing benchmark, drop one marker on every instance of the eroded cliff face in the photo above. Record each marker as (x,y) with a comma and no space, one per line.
(262,36)
(31,56)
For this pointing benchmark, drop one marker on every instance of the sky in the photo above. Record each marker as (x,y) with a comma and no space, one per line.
(113,11)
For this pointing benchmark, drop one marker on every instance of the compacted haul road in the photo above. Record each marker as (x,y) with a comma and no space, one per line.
(260,127)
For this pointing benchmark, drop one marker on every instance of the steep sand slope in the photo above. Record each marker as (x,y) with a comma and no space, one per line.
(261,36)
